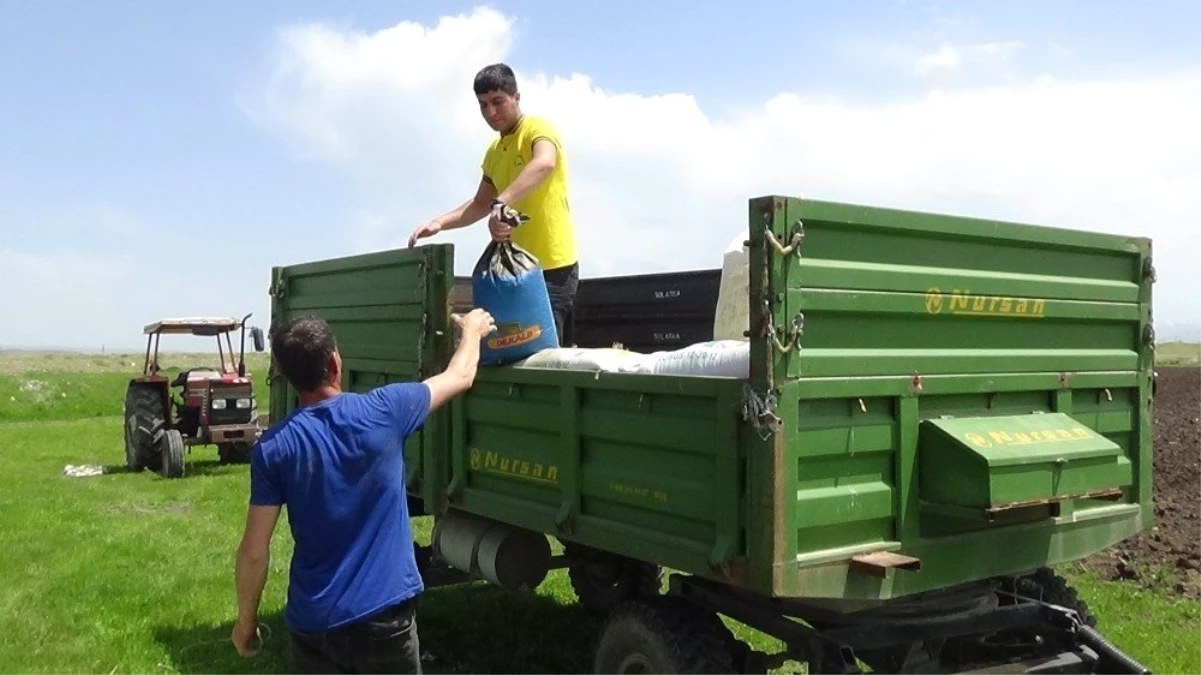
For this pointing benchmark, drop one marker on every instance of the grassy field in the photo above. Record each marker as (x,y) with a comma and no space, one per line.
(133,573)
(49,387)
(1178,354)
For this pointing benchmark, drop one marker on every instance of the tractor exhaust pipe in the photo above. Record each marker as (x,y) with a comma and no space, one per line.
(507,556)
(242,348)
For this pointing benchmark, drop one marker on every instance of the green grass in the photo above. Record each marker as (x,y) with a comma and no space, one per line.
(48,387)
(133,573)
(1178,354)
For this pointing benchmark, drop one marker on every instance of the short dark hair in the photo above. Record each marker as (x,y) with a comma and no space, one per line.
(496,77)
(302,349)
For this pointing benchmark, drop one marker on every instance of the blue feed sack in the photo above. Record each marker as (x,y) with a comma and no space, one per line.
(509,285)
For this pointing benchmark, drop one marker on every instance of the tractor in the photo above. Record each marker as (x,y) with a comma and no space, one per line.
(200,406)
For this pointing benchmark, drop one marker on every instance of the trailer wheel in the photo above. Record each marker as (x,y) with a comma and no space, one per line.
(663,635)
(1045,585)
(145,418)
(171,448)
(602,580)
(994,649)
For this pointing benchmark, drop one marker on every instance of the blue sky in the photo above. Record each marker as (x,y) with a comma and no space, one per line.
(171,153)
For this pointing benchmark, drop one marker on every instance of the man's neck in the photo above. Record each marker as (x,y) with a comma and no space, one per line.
(322,393)
(517,123)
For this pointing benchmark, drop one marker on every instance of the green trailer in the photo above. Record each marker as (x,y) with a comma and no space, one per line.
(937,410)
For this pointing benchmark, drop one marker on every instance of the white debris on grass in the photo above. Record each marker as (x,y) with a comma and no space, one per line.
(82,470)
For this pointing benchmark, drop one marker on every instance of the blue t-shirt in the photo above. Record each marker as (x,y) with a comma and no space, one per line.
(338,465)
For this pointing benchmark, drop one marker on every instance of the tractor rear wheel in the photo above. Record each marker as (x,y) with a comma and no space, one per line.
(145,418)
(233,453)
(171,449)
(133,461)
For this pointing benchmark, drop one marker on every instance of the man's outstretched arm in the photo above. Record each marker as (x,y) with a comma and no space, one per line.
(540,166)
(250,574)
(467,213)
(460,372)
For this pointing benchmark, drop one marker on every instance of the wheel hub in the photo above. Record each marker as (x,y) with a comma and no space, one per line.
(636,663)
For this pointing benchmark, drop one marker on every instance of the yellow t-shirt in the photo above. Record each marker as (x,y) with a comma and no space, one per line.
(549,234)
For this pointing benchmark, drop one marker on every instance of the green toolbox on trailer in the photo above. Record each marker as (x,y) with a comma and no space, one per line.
(937,409)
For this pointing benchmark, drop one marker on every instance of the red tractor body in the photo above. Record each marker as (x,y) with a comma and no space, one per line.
(211,405)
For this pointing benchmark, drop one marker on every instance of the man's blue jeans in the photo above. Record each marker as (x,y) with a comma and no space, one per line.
(385,642)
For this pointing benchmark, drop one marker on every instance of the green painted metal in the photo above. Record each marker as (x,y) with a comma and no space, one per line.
(890,325)
(389,313)
(877,335)
(990,463)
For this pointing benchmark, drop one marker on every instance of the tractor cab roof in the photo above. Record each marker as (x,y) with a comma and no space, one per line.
(194,325)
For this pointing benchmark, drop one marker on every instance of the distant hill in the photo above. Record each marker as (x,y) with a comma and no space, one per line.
(1178,332)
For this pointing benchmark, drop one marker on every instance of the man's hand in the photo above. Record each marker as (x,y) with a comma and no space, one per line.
(500,230)
(477,322)
(426,230)
(503,219)
(244,635)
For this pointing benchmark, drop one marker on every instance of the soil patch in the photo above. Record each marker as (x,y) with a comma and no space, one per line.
(1170,553)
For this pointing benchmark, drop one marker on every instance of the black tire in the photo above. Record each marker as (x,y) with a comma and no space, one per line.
(1045,585)
(602,580)
(171,449)
(233,453)
(979,652)
(663,635)
(145,419)
(133,461)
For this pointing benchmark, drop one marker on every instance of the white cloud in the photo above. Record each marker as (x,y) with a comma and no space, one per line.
(989,62)
(83,300)
(661,184)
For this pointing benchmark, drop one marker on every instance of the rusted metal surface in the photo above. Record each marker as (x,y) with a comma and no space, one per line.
(878,563)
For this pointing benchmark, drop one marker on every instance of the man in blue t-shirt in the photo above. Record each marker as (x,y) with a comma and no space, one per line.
(337,462)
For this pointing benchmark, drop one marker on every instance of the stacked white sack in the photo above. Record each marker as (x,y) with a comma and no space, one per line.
(720,358)
(732,319)
(606,360)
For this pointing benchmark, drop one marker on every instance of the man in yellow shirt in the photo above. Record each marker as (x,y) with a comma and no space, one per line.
(524,168)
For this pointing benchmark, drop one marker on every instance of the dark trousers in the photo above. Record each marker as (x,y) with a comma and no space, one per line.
(385,642)
(562,284)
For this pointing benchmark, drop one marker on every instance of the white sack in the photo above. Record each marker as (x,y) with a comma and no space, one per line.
(720,358)
(607,360)
(732,319)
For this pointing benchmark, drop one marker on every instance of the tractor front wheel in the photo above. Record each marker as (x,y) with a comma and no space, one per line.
(171,449)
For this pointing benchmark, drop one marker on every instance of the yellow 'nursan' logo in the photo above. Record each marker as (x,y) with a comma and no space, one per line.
(995,438)
(964,302)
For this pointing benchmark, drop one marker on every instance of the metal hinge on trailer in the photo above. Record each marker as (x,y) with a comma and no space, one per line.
(422,330)
(792,339)
(794,244)
(278,288)
(760,412)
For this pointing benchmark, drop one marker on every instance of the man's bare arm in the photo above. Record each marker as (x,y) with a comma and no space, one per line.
(460,372)
(467,213)
(471,210)
(541,165)
(250,572)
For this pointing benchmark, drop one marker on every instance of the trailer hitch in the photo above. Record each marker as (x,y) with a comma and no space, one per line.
(1089,637)
(1112,659)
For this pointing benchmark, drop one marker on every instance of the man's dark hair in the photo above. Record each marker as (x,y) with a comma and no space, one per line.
(302,349)
(496,77)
